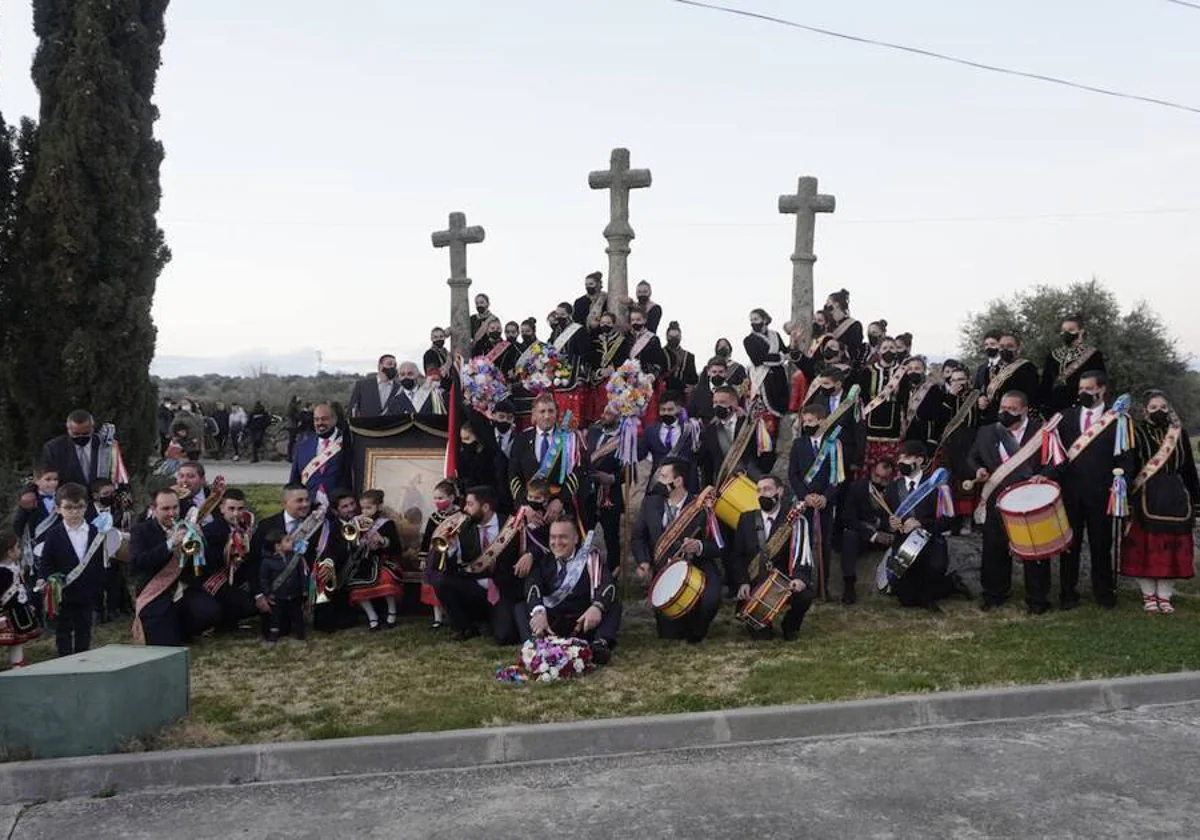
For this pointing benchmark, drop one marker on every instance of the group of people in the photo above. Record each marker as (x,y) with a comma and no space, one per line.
(187,432)
(887,458)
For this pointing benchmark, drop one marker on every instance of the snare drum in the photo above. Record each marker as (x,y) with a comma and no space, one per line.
(738,495)
(900,559)
(676,590)
(1035,519)
(767,601)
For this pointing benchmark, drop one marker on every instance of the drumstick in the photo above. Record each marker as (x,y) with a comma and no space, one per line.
(878,497)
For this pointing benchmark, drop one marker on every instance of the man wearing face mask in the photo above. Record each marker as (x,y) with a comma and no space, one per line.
(545,445)
(681,374)
(767,350)
(829,392)
(994,459)
(322,458)
(991,361)
(670,438)
(810,479)
(700,403)
(660,509)
(415,397)
(82,455)
(606,501)
(1014,373)
(373,396)
(754,531)
(866,523)
(437,356)
(1089,435)
(1065,366)
(958,428)
(592,304)
(720,433)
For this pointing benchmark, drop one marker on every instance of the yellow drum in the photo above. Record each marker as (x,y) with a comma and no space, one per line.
(1036,520)
(738,495)
(676,590)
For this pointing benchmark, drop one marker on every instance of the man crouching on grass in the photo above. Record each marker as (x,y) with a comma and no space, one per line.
(570,593)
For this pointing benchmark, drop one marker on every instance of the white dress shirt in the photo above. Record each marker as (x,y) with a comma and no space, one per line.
(1018,434)
(79,538)
(1089,417)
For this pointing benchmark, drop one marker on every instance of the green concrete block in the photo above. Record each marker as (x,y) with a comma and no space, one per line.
(87,704)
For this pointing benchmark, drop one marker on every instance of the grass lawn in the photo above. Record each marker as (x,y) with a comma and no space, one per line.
(412,679)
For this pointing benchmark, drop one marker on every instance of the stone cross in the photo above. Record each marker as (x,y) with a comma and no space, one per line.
(457,237)
(805,204)
(619,179)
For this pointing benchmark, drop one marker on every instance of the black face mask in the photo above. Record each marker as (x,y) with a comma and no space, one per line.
(439,342)
(758,328)
(1162,419)
(636,328)
(668,419)
(605,329)
(408,384)
(526,338)
(643,298)
(537,506)
(502,426)
(1008,356)
(829,354)
(767,503)
(825,392)
(811,431)
(879,485)
(104,501)
(1086,400)
(1008,420)
(906,469)
(992,352)
(722,412)
(717,380)
(914,379)
(591,290)
(657,488)
(888,356)
(724,352)
(817,329)
(1069,338)
(673,342)
(482,310)
(873,340)
(389,373)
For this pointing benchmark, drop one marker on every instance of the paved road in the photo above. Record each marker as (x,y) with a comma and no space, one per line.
(1131,774)
(239,473)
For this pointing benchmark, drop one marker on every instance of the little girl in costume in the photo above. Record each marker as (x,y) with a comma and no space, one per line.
(18,621)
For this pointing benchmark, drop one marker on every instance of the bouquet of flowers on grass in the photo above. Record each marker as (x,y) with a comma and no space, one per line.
(543,368)
(630,390)
(551,659)
(483,384)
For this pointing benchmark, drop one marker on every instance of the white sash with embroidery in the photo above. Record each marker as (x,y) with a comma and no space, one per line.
(322,458)
(575,567)
(82,565)
(565,337)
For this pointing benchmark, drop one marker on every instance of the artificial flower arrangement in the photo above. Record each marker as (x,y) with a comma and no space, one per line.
(483,384)
(549,660)
(630,390)
(544,368)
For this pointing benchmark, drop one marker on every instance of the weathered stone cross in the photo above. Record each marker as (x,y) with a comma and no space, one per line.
(805,204)
(619,179)
(457,237)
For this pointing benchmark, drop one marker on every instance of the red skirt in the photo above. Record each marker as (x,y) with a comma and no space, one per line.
(10,635)
(1153,555)
(597,399)
(387,583)
(877,450)
(651,413)
(576,401)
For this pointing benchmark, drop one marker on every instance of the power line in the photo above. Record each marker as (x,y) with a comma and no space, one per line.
(1185,3)
(943,57)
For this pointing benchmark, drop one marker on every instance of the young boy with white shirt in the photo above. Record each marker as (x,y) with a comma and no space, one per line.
(72,555)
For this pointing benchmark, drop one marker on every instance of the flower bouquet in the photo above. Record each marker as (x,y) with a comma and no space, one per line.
(542,368)
(483,384)
(630,390)
(551,659)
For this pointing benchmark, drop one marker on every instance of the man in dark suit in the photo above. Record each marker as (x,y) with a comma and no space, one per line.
(927,580)
(991,361)
(296,508)
(661,508)
(719,435)
(1086,482)
(158,578)
(1013,429)
(224,543)
(669,437)
(829,394)
(526,457)
(754,530)
(474,588)
(606,499)
(865,524)
(700,403)
(819,492)
(1013,373)
(73,551)
(75,456)
(322,460)
(567,595)
(372,397)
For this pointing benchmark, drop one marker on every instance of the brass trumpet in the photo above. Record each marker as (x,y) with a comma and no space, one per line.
(447,532)
(356,527)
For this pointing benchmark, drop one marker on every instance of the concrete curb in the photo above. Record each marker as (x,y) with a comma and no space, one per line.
(55,779)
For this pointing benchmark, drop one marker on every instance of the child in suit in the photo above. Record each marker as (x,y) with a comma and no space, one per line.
(286,596)
(72,554)
(18,621)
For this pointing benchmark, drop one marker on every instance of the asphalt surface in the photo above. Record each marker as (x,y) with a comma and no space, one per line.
(238,473)
(1128,774)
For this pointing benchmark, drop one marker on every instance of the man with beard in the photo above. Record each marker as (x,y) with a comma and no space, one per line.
(681,374)
(322,461)
(592,304)
(226,548)
(669,438)
(437,355)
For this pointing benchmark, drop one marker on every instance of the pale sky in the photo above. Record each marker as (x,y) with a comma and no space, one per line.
(312,147)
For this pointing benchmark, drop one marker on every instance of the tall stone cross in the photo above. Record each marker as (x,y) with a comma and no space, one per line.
(619,179)
(457,237)
(805,205)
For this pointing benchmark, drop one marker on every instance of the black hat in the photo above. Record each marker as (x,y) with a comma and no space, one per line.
(506,406)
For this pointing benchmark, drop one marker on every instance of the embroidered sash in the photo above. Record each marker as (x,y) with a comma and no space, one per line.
(322,458)
(598,305)
(163,581)
(849,401)
(498,351)
(1067,371)
(1027,451)
(829,448)
(1087,438)
(1165,450)
(564,337)
(1002,376)
(886,392)
(82,565)
(45,525)
(842,328)
(960,417)
(607,448)
(914,404)
(640,344)
(575,567)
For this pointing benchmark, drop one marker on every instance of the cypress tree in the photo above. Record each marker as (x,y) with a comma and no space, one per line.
(90,247)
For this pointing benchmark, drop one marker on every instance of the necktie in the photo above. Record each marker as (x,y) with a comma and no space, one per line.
(543,443)
(912,485)
(561,576)
(484,542)
(670,436)
(83,460)
(291,525)
(1087,420)
(672,512)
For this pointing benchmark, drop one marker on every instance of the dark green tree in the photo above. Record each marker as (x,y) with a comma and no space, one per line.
(89,243)
(1138,350)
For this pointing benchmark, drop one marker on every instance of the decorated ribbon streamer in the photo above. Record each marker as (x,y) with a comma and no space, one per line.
(939,479)
(831,451)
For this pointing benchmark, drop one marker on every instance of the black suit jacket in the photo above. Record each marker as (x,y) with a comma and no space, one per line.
(751,537)
(711,457)
(1024,379)
(543,575)
(986,454)
(470,548)
(1088,479)
(652,445)
(364,399)
(254,557)
(1058,396)
(925,512)
(523,465)
(58,557)
(60,453)
(860,513)
(649,528)
(610,464)
(799,463)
